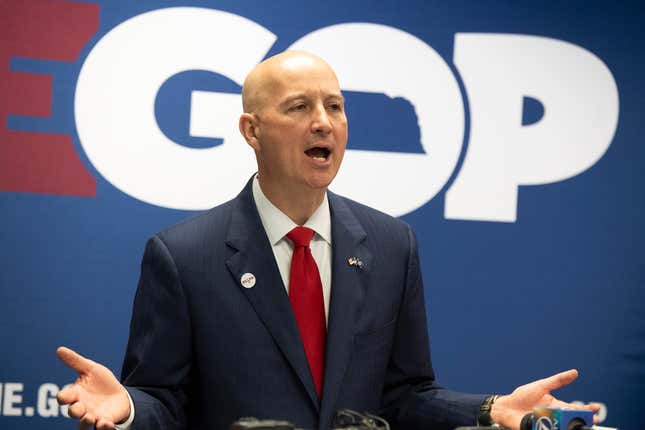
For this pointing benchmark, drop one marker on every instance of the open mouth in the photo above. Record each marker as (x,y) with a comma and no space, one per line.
(318,153)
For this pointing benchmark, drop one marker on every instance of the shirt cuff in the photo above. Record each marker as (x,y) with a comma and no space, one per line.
(128,423)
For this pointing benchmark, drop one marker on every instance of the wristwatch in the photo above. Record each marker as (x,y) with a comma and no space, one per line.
(484,419)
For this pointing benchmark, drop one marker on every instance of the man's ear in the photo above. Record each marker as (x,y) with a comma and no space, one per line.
(249,130)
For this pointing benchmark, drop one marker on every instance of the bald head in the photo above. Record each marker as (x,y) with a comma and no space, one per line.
(273,73)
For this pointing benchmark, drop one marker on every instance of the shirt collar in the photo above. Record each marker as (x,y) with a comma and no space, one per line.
(277,224)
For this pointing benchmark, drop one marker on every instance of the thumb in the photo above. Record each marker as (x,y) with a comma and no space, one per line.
(74,360)
(560,379)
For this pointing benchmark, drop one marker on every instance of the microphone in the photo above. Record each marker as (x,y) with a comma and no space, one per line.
(543,418)
(345,419)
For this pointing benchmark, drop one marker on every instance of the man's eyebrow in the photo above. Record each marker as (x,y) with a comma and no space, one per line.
(338,95)
(303,96)
(293,97)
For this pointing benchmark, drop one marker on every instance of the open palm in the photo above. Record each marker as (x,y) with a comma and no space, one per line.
(510,409)
(96,397)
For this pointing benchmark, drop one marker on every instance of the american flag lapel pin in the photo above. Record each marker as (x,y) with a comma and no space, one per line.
(355,261)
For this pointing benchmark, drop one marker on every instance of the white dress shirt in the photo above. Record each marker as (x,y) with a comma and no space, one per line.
(277,225)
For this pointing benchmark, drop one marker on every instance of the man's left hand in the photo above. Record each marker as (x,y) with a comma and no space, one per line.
(509,410)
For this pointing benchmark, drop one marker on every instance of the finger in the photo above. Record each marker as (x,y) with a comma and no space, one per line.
(559,404)
(580,407)
(595,407)
(103,424)
(74,360)
(559,379)
(68,395)
(76,410)
(87,421)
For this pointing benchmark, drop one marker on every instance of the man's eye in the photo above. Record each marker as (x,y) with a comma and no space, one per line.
(335,106)
(297,107)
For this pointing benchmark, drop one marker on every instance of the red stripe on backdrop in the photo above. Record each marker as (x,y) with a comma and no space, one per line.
(51,30)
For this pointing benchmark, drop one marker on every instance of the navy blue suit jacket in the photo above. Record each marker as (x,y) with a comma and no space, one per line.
(204,351)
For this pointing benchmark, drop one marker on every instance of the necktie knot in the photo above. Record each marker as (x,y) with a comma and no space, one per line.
(301,236)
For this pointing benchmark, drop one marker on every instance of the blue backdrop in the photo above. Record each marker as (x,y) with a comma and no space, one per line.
(528,272)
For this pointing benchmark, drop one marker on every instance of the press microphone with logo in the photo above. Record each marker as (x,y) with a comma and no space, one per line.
(544,418)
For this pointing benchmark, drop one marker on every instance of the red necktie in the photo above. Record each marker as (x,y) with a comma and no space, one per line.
(305,294)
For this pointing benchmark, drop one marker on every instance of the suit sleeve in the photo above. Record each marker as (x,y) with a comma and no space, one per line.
(412,399)
(157,365)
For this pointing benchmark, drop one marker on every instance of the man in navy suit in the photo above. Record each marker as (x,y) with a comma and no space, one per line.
(215,334)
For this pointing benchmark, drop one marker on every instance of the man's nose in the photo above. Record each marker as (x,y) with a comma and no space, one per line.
(320,122)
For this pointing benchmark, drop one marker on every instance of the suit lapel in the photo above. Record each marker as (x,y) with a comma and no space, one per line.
(268,296)
(347,292)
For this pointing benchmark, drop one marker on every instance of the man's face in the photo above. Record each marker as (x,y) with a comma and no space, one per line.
(301,127)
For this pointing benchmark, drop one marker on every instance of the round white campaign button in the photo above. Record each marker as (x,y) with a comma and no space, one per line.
(248,280)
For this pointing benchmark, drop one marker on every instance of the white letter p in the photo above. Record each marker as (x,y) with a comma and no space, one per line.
(580,100)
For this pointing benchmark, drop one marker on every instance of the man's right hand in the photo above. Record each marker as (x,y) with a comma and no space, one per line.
(96,398)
